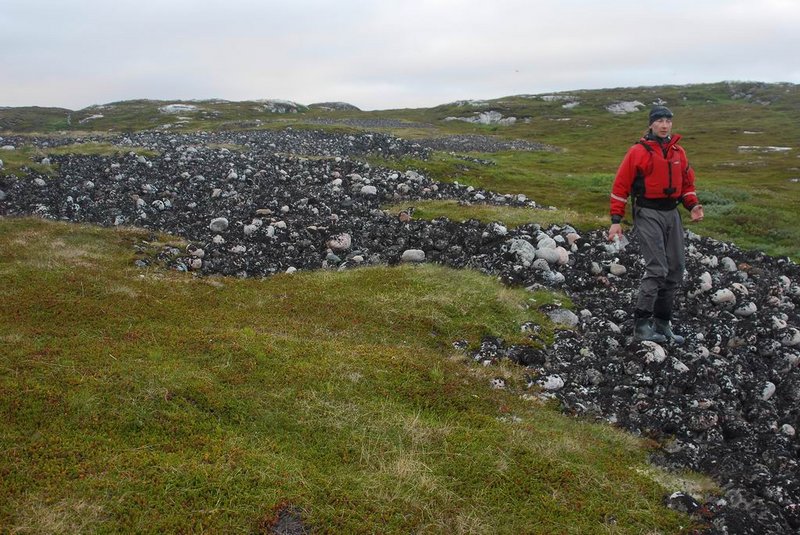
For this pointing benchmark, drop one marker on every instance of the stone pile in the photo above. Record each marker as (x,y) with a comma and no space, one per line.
(477,143)
(280,212)
(726,402)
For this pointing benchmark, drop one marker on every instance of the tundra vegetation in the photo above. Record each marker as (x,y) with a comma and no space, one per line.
(148,400)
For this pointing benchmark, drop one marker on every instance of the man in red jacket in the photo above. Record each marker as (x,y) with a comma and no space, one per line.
(656,174)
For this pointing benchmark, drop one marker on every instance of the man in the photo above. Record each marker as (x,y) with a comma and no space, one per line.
(656,174)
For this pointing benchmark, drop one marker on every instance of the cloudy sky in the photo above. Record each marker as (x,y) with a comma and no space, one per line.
(381,54)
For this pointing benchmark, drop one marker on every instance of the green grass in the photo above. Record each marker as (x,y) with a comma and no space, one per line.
(22,160)
(579,200)
(150,401)
(510,216)
(93,148)
(33,119)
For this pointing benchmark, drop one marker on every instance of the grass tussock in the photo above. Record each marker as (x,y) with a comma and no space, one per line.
(23,160)
(28,159)
(93,148)
(509,216)
(147,401)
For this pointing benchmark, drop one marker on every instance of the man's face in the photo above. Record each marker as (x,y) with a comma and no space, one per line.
(662,127)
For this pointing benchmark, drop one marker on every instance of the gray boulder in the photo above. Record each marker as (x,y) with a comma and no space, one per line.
(413,256)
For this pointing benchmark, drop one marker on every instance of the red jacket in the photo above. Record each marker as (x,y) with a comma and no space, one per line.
(660,174)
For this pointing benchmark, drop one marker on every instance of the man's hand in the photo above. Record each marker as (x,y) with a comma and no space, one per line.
(697,213)
(615,231)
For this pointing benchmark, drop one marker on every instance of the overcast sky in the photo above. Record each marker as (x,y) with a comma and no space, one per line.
(381,54)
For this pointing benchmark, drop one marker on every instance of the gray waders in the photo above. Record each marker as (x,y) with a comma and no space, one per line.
(661,241)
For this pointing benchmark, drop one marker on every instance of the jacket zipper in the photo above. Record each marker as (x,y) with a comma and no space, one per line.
(665,150)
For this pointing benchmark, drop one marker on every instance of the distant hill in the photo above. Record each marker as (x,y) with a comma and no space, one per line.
(33,119)
(135,115)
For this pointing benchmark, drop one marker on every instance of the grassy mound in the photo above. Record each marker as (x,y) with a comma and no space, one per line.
(141,400)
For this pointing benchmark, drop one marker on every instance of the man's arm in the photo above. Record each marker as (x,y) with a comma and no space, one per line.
(688,195)
(620,192)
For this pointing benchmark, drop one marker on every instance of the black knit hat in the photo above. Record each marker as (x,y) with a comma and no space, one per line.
(658,112)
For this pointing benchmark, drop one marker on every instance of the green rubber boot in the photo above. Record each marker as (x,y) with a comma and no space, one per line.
(664,328)
(643,331)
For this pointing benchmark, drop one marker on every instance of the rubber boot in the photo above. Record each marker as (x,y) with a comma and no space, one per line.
(644,331)
(662,326)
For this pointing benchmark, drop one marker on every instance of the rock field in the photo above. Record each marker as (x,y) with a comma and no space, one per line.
(726,403)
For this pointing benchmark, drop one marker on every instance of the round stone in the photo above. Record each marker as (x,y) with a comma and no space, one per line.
(220,224)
